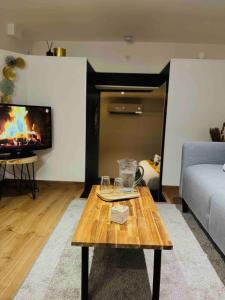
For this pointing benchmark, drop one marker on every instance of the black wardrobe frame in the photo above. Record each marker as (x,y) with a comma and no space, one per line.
(93,114)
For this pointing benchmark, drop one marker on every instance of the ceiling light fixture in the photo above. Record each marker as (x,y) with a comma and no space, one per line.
(128,38)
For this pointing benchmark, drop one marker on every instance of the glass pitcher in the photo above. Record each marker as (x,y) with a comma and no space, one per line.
(127,171)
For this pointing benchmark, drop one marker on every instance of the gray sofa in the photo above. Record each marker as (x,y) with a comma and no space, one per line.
(202,186)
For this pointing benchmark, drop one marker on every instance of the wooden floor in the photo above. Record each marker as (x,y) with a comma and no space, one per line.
(171,194)
(25,226)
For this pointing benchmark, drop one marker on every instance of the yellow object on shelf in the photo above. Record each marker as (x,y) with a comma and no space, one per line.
(20,63)
(5,99)
(9,73)
(59,52)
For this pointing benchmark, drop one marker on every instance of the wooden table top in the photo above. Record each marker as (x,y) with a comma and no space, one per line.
(19,161)
(143,229)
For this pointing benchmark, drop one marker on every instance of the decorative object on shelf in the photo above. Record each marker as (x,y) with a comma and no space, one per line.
(10,61)
(20,63)
(216,134)
(9,75)
(6,86)
(59,52)
(5,99)
(49,52)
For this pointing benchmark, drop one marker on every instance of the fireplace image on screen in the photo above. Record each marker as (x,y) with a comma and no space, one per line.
(24,128)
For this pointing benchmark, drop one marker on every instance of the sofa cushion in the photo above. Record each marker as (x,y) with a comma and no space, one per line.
(217,218)
(201,182)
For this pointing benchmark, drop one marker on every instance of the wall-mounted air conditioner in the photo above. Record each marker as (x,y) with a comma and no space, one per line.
(125,108)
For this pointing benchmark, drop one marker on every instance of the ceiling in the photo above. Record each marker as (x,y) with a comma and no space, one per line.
(196,21)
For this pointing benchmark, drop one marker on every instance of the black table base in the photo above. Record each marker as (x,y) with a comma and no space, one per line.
(156,274)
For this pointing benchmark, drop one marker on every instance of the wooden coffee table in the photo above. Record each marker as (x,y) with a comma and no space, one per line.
(144,229)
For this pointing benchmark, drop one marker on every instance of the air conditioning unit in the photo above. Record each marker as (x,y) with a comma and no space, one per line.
(125,108)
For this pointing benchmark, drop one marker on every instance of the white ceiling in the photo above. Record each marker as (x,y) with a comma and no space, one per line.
(197,21)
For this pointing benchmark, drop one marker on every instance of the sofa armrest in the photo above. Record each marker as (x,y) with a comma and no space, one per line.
(196,153)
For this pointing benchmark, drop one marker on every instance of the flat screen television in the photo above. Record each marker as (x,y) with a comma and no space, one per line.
(24,128)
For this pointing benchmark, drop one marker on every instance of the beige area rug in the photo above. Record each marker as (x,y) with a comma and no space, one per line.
(187,273)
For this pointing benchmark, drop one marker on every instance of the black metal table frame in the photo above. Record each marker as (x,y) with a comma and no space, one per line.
(31,179)
(156,273)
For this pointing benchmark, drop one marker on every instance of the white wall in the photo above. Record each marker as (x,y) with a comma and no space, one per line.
(61,84)
(196,102)
(138,57)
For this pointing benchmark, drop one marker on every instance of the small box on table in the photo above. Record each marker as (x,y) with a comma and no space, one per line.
(119,214)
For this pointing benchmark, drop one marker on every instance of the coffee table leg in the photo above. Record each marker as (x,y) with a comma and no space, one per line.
(84,274)
(156,275)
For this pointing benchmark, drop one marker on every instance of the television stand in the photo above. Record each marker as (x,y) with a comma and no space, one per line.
(24,175)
